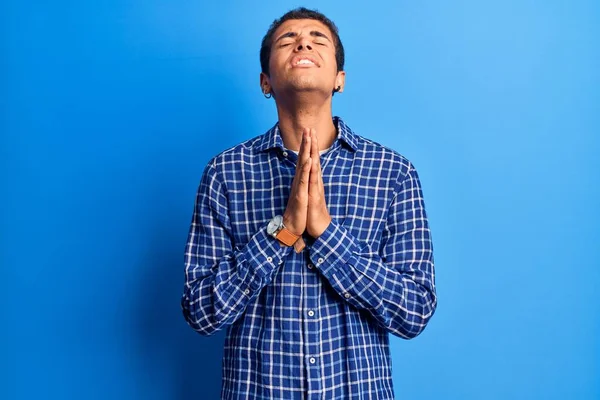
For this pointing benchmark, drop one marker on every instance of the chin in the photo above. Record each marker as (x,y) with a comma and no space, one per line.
(304,83)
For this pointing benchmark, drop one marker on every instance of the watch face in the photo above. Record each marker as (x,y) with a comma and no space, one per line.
(274,225)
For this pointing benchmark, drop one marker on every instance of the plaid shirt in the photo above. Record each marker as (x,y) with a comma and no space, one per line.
(314,324)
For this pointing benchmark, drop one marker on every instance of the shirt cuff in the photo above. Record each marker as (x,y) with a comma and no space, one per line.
(333,249)
(262,255)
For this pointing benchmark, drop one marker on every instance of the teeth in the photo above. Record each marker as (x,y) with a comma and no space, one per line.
(305,62)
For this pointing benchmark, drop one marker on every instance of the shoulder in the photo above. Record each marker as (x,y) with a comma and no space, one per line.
(388,159)
(373,153)
(235,157)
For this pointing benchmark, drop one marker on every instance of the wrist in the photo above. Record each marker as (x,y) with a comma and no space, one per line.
(320,227)
(277,229)
(290,226)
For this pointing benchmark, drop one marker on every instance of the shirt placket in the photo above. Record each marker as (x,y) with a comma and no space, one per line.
(311,326)
(311,316)
(310,302)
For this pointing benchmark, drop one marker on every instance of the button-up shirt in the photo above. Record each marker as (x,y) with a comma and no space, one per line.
(313,324)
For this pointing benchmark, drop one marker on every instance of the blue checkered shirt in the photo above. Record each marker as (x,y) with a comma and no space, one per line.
(314,324)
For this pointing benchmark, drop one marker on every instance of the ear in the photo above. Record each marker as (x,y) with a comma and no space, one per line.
(265,84)
(340,81)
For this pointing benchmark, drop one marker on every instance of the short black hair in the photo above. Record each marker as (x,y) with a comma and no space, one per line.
(300,13)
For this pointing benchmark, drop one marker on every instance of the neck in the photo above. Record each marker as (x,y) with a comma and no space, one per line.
(304,111)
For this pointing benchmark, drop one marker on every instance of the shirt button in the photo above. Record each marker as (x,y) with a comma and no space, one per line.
(312,360)
(270,259)
(247,291)
(311,313)
(310,266)
(347,295)
(320,261)
(285,153)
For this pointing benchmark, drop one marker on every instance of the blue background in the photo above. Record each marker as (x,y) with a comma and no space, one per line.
(110,110)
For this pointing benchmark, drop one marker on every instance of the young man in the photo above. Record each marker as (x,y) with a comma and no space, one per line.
(309,243)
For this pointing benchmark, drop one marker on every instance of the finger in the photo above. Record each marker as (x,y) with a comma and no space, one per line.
(304,175)
(314,148)
(302,154)
(316,178)
(317,155)
(314,154)
(305,146)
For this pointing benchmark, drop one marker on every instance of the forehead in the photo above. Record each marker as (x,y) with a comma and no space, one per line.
(302,25)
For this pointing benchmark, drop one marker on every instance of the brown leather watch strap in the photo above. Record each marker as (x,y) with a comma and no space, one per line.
(299,245)
(286,237)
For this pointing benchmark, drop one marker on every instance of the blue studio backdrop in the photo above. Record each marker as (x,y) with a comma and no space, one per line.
(110,111)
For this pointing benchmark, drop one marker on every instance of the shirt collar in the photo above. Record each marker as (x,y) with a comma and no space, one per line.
(272,138)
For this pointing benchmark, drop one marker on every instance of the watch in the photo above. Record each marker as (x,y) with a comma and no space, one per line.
(277,229)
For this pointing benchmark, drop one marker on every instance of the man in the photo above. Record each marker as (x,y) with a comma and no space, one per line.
(309,243)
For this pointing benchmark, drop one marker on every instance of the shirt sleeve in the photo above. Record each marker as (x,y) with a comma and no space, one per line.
(395,284)
(220,279)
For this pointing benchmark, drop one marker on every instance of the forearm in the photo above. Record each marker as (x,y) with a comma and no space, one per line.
(400,296)
(216,293)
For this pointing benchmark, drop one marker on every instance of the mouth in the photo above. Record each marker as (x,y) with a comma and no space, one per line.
(304,62)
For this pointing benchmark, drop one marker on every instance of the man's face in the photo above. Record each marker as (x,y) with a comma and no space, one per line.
(302,59)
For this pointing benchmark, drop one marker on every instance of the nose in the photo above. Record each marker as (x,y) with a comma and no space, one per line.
(304,43)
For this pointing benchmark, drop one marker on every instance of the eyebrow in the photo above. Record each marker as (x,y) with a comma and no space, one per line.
(294,34)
